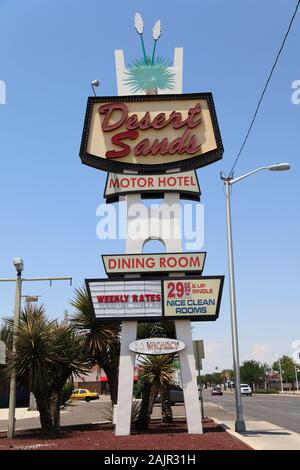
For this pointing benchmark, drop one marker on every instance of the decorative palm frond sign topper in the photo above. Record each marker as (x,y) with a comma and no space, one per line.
(149,73)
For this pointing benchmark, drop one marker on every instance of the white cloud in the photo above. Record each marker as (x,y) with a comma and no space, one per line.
(211,347)
(217,354)
(260,352)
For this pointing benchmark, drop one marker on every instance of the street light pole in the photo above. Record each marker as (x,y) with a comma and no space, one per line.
(240,425)
(19,265)
(296,375)
(13,380)
(280,371)
(228,182)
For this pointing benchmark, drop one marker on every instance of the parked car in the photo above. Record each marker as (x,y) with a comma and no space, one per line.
(176,395)
(84,394)
(246,390)
(216,391)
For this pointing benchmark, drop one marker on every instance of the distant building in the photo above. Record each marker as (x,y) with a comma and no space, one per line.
(96,381)
(273,382)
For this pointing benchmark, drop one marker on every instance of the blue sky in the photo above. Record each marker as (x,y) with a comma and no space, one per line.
(50,52)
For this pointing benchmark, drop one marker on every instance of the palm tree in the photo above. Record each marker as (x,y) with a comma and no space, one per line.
(101,340)
(47,355)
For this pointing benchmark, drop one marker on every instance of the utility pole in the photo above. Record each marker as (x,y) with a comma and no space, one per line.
(13,380)
(296,375)
(198,348)
(280,371)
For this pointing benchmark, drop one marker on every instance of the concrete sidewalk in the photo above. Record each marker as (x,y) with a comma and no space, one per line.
(262,435)
(21,413)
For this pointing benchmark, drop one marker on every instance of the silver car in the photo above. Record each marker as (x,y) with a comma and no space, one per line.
(176,395)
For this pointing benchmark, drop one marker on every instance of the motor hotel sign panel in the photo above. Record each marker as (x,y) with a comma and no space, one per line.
(197,299)
(151,134)
(185,183)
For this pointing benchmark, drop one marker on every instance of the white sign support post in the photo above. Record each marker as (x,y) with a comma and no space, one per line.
(129,328)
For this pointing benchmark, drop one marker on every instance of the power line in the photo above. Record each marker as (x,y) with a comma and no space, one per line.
(265,88)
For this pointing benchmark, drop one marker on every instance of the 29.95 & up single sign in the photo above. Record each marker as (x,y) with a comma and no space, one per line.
(194,298)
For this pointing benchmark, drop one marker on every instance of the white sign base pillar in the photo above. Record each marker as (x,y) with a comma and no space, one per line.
(189,377)
(183,327)
(126,378)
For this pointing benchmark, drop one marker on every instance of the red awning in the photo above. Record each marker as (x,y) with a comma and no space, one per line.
(103,378)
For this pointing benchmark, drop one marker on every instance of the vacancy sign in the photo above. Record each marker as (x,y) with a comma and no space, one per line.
(155,300)
(185,183)
(156,346)
(154,263)
(151,133)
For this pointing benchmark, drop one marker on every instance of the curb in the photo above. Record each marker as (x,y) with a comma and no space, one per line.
(235,434)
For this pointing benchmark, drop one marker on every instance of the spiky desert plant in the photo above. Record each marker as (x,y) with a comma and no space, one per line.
(165,329)
(107,411)
(101,340)
(149,74)
(143,76)
(47,355)
(157,373)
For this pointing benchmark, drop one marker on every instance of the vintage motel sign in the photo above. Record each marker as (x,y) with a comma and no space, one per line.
(151,133)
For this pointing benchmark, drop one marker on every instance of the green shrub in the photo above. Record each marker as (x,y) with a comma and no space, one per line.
(265,391)
(66,393)
(137,389)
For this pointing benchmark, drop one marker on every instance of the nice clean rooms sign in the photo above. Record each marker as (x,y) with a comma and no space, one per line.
(197,299)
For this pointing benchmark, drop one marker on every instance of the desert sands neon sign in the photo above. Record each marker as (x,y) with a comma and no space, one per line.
(186,143)
(151,134)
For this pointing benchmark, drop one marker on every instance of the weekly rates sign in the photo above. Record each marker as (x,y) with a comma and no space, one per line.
(197,299)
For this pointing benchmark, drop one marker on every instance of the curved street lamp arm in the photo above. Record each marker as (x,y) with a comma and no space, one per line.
(236,180)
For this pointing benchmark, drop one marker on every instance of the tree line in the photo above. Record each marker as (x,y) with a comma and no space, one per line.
(254,373)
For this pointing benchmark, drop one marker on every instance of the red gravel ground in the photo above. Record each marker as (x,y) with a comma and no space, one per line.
(158,437)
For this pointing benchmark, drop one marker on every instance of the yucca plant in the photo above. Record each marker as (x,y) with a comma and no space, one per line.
(47,355)
(101,341)
(149,74)
(145,76)
(107,412)
(157,373)
(165,329)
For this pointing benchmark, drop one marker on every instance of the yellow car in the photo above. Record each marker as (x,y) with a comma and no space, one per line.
(84,394)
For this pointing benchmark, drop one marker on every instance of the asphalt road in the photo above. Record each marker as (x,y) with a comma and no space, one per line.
(280,410)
